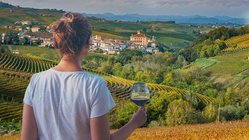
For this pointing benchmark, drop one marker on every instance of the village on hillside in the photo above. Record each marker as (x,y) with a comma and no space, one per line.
(30,33)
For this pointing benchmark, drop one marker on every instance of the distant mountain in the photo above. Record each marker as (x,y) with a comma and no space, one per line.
(196,19)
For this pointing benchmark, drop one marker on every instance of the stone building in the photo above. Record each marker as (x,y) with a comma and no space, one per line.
(139,39)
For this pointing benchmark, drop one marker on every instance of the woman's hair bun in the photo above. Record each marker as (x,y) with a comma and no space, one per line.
(71,32)
(68,17)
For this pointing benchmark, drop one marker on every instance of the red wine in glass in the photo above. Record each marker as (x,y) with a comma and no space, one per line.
(140,93)
(140,101)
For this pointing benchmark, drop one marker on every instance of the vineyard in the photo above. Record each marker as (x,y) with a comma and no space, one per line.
(16,70)
(223,131)
(237,43)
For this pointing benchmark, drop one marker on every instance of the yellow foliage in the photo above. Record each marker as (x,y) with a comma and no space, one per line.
(238,130)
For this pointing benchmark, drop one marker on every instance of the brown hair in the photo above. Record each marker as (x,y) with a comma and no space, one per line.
(70,33)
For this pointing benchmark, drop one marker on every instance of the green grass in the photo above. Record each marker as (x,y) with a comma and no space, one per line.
(204,62)
(230,64)
(231,70)
(51,54)
(10,15)
(174,42)
(160,29)
(107,35)
(48,53)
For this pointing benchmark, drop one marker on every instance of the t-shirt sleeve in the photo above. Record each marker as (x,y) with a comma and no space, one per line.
(102,100)
(28,93)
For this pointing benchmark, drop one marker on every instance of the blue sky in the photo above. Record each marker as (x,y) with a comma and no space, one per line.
(233,8)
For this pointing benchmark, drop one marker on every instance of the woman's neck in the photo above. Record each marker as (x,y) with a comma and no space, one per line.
(69,64)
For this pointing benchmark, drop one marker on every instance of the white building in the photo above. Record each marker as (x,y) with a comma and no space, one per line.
(97,40)
(26,22)
(15,51)
(152,42)
(35,29)
(46,42)
(3,37)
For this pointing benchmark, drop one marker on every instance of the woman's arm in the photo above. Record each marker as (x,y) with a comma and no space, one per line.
(29,128)
(100,126)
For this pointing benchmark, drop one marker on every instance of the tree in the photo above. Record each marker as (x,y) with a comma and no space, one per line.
(158,78)
(140,76)
(105,67)
(128,72)
(158,105)
(210,112)
(24,41)
(145,30)
(123,114)
(189,54)
(117,69)
(169,79)
(11,38)
(42,29)
(229,113)
(126,55)
(179,112)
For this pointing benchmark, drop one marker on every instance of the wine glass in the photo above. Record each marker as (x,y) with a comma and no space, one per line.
(140,93)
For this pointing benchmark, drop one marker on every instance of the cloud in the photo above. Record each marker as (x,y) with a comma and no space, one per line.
(158,7)
(229,3)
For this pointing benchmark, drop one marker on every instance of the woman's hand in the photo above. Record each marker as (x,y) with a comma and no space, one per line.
(140,117)
(100,126)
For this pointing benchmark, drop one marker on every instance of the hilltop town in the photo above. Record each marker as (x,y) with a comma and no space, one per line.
(31,33)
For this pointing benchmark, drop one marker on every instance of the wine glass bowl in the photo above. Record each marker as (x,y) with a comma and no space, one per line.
(140,93)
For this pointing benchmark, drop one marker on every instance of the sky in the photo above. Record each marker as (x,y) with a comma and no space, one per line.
(232,8)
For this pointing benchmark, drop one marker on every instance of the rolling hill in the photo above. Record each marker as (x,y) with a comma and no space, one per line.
(172,35)
(231,67)
(9,14)
(17,69)
(195,19)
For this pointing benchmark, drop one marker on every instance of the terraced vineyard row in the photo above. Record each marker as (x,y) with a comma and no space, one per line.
(237,39)
(12,88)
(122,88)
(237,43)
(119,87)
(11,111)
(13,85)
(24,63)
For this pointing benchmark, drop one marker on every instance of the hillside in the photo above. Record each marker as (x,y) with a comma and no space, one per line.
(237,43)
(232,61)
(16,70)
(170,35)
(230,68)
(9,14)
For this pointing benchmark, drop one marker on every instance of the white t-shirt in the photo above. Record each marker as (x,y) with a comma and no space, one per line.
(64,102)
